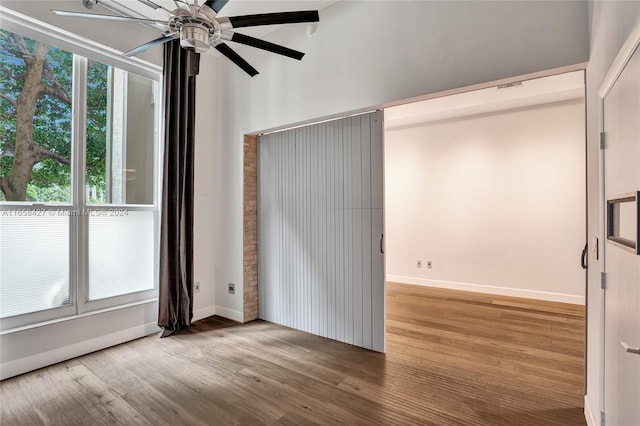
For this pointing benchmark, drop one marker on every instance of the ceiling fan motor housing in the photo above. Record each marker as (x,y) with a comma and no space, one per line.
(194,36)
(196,27)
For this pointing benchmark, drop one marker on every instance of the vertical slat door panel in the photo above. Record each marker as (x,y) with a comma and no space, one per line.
(355,209)
(377,281)
(378,311)
(347,240)
(339,252)
(377,163)
(320,220)
(323,213)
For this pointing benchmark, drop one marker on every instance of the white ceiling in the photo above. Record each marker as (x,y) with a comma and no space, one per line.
(124,36)
(555,88)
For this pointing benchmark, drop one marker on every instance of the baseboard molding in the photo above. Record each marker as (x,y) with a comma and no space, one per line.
(23,365)
(202,313)
(30,363)
(231,314)
(480,288)
(588,414)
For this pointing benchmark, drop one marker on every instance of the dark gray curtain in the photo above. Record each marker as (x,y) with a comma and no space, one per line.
(176,234)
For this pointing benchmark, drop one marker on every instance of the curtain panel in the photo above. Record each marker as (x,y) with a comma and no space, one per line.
(176,234)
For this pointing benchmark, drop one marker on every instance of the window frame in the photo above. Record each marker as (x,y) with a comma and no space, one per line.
(84,50)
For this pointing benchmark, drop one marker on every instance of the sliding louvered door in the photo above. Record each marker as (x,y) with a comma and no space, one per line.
(320,220)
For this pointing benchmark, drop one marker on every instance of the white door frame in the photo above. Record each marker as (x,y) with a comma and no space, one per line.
(618,65)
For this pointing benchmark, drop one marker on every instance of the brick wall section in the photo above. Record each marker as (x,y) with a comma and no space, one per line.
(250,226)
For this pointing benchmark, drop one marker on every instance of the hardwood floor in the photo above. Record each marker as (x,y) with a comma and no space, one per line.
(453,358)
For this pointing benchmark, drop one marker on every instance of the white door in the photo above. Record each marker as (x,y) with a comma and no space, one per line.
(621,252)
(320,260)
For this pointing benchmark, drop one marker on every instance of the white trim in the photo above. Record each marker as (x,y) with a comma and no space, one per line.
(33,362)
(75,316)
(617,67)
(228,313)
(588,413)
(601,233)
(83,50)
(203,313)
(620,61)
(38,30)
(531,76)
(490,289)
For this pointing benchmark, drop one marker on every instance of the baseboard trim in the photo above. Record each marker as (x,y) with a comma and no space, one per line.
(64,353)
(23,365)
(502,291)
(588,414)
(202,313)
(231,314)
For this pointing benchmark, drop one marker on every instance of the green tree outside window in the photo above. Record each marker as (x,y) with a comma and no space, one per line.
(35,122)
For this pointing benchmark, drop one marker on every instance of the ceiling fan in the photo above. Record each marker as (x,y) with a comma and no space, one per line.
(199,28)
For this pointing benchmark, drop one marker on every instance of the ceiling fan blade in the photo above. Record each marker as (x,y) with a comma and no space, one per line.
(150,44)
(182,4)
(265,45)
(150,4)
(236,59)
(156,6)
(107,17)
(216,5)
(274,18)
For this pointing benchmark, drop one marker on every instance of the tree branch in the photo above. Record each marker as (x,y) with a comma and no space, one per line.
(52,155)
(55,84)
(21,48)
(57,92)
(5,72)
(8,99)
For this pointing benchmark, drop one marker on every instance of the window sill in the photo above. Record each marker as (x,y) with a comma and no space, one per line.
(77,316)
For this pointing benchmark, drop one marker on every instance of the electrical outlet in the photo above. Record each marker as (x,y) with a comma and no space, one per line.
(429,264)
(232,288)
(196,287)
(419,263)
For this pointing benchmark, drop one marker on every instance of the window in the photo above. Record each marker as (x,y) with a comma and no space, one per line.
(120,136)
(120,172)
(78,179)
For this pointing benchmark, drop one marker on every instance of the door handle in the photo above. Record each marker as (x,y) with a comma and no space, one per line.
(583,258)
(381,246)
(630,349)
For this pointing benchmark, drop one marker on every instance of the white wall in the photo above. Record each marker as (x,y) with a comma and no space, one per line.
(611,22)
(496,201)
(204,192)
(368,53)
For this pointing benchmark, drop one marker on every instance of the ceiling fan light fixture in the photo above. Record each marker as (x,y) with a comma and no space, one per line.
(195,36)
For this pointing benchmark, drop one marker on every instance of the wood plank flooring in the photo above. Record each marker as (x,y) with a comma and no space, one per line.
(453,358)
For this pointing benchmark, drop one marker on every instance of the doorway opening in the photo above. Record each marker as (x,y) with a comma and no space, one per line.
(485,220)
